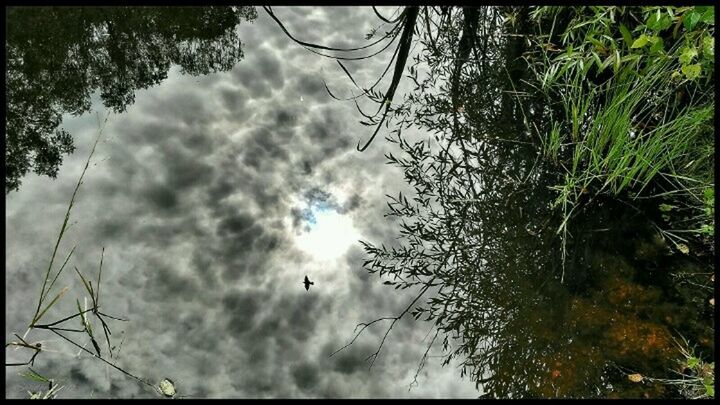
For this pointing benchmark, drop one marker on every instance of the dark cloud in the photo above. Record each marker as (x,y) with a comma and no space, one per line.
(354,202)
(162,197)
(305,375)
(260,74)
(241,308)
(165,283)
(234,100)
(311,88)
(78,375)
(353,360)
(264,148)
(200,192)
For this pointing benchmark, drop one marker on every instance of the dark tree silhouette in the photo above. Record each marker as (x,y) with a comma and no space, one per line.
(403,26)
(460,233)
(56,57)
(477,238)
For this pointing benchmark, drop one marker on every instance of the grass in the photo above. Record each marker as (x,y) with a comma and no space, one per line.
(607,132)
(53,388)
(637,125)
(695,377)
(59,327)
(643,127)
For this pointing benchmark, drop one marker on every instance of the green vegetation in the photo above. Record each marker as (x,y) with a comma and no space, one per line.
(619,102)
(634,121)
(53,388)
(695,378)
(60,327)
(636,107)
(57,57)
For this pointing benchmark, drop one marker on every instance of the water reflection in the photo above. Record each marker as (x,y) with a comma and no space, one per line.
(324,232)
(56,57)
(479,229)
(526,316)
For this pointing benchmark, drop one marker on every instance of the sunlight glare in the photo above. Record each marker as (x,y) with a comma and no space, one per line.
(329,237)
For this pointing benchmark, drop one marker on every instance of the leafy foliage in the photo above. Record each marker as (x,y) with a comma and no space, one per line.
(477,234)
(56,57)
(645,128)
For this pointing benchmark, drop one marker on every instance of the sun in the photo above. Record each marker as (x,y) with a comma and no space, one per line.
(329,235)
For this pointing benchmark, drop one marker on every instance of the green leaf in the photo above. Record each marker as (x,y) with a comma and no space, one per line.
(708,46)
(80,311)
(57,297)
(709,195)
(95,345)
(666,207)
(691,71)
(687,55)
(652,20)
(33,375)
(690,19)
(630,58)
(85,283)
(598,62)
(665,23)
(659,21)
(640,42)
(707,14)
(710,390)
(627,37)
(595,42)
(708,380)
(608,60)
(692,362)
(657,45)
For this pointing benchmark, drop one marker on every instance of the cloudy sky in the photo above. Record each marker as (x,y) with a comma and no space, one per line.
(213,197)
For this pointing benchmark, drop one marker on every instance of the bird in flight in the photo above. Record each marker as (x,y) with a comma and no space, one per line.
(308,283)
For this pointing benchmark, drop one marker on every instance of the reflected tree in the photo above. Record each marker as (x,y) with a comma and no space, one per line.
(464,245)
(402,28)
(56,57)
(477,239)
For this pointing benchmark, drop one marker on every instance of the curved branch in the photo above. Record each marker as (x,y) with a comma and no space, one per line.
(422,360)
(385,19)
(404,50)
(397,318)
(364,326)
(311,47)
(365,92)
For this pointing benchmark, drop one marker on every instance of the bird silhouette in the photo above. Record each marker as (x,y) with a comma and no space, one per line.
(307,283)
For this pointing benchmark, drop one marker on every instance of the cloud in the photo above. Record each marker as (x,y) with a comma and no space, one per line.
(199,193)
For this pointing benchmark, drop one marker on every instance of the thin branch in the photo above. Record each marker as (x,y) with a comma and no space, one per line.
(404,50)
(113,317)
(424,358)
(103,360)
(311,47)
(48,325)
(97,298)
(364,326)
(397,318)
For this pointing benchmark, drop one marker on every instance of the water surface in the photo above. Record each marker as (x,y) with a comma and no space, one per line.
(218,185)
